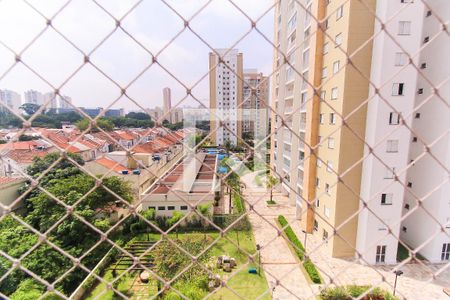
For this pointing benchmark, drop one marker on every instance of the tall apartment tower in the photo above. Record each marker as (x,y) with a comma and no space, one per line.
(347,156)
(167,104)
(255,100)
(426,178)
(311,92)
(57,103)
(11,99)
(225,93)
(35,97)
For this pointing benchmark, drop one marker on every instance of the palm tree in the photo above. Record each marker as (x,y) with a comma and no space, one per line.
(270,184)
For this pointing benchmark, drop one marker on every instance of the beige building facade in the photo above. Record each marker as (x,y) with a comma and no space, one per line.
(314,88)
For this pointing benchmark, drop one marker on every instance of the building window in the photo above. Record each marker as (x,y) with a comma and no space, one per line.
(429,13)
(329,166)
(401,58)
(404,229)
(420,91)
(336,66)
(414,139)
(161,208)
(183,207)
(317,202)
(321,118)
(339,12)
(417,116)
(398,89)
(325,48)
(445,255)
(327,188)
(326,211)
(334,93)
(331,143)
(409,184)
(322,95)
(316,225)
(423,65)
(386,199)
(404,28)
(407,206)
(170,207)
(380,256)
(390,173)
(338,39)
(325,235)
(324,72)
(332,118)
(394,118)
(426,39)
(317,182)
(392,146)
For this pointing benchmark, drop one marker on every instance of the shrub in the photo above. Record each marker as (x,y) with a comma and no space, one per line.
(357,290)
(354,291)
(335,293)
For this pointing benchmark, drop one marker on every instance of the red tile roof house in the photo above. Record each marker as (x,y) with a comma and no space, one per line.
(127,138)
(15,157)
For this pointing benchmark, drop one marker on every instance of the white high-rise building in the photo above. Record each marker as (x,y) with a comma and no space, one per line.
(391,178)
(10,99)
(167,104)
(35,97)
(225,90)
(57,103)
(395,117)
(427,179)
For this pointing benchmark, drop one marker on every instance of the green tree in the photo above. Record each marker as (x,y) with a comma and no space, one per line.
(176,216)
(29,108)
(103,123)
(270,184)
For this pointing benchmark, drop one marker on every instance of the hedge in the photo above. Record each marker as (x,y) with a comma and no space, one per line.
(299,250)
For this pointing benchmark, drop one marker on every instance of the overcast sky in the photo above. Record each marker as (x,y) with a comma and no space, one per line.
(152,23)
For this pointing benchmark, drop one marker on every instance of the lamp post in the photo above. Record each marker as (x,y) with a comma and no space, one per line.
(258,247)
(397,273)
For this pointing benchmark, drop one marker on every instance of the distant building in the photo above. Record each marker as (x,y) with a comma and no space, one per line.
(58,104)
(193,180)
(11,99)
(112,112)
(156,114)
(167,104)
(225,90)
(34,97)
(255,114)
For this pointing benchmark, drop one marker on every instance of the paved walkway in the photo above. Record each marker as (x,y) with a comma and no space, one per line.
(279,262)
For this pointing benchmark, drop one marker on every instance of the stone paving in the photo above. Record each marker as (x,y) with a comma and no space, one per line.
(279,262)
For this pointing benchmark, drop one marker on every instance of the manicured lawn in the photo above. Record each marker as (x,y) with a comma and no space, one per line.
(249,286)
(403,253)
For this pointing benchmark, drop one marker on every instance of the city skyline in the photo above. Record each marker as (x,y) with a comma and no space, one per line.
(180,57)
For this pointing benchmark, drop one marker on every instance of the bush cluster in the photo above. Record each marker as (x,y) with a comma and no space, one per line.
(354,291)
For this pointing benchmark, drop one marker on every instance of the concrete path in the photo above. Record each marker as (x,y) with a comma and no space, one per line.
(279,263)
